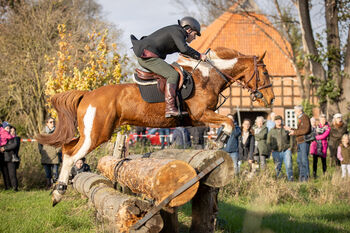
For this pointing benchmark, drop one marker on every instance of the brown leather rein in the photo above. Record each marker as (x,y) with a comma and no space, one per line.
(254,93)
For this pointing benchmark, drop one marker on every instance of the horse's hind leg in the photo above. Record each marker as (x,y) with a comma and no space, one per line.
(88,141)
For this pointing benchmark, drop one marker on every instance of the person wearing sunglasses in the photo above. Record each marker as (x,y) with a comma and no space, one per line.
(49,155)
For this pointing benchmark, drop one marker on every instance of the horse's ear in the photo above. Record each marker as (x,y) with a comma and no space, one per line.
(262,56)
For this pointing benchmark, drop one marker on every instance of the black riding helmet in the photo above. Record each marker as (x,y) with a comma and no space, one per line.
(190,22)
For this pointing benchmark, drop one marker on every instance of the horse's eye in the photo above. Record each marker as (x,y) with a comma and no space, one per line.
(265,73)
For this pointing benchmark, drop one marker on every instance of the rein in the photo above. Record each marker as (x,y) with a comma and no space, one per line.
(254,93)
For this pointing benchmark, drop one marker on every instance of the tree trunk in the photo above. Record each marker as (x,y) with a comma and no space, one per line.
(204,209)
(199,160)
(345,99)
(155,178)
(308,38)
(123,211)
(333,47)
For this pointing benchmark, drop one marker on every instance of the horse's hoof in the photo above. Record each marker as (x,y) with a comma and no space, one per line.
(215,145)
(56,197)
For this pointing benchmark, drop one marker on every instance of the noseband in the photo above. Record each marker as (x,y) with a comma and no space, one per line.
(254,93)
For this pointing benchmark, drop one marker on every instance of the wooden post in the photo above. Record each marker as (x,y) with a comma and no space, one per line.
(171,222)
(155,178)
(119,146)
(204,209)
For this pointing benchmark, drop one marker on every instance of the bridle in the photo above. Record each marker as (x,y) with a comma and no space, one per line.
(254,92)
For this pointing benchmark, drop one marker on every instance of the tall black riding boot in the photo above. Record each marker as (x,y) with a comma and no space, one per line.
(170,98)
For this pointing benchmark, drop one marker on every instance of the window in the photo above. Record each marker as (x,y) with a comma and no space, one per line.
(291,119)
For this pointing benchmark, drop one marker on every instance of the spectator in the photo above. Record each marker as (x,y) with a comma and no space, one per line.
(141,132)
(79,167)
(246,143)
(343,155)
(49,155)
(318,147)
(304,128)
(4,137)
(181,138)
(232,145)
(313,124)
(164,134)
(338,129)
(281,143)
(260,135)
(11,159)
(270,123)
(197,134)
(5,133)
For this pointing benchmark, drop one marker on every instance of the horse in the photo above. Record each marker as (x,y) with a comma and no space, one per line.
(98,112)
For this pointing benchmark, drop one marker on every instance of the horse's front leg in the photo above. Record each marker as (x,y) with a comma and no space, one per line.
(210,116)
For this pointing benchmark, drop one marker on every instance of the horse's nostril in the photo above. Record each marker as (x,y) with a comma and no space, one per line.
(272,100)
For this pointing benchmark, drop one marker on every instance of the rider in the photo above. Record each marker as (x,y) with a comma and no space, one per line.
(152,50)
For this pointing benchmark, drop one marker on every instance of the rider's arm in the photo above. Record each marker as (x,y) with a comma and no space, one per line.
(183,47)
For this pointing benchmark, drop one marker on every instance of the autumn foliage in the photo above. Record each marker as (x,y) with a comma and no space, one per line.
(96,64)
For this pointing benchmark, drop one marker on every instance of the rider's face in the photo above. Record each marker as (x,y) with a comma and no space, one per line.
(191,35)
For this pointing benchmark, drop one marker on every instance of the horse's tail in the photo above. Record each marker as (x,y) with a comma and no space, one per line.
(66,105)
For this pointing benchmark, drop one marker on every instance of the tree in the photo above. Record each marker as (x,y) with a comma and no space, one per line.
(97,65)
(28,36)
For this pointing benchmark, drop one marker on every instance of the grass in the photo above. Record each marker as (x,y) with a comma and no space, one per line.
(31,211)
(260,204)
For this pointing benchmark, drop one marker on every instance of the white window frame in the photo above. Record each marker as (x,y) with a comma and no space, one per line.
(290,118)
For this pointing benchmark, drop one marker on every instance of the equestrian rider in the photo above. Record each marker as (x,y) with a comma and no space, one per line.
(152,50)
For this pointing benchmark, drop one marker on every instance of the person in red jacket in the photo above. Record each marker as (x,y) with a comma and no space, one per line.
(319,147)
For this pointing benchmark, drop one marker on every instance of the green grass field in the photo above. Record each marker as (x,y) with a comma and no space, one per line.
(260,204)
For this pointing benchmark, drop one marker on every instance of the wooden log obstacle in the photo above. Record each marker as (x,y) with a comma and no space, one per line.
(158,176)
(199,160)
(120,210)
(155,178)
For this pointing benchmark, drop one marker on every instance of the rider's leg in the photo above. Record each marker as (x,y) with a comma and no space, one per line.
(159,66)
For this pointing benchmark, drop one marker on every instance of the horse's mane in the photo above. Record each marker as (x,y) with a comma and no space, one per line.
(226,53)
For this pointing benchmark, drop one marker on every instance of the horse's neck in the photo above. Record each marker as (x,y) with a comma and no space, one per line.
(216,83)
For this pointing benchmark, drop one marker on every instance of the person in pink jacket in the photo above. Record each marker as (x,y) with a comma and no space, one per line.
(318,147)
(4,134)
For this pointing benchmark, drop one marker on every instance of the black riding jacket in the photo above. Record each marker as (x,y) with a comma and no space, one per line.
(164,41)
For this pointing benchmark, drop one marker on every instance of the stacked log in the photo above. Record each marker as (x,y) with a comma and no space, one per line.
(199,160)
(155,178)
(84,181)
(204,203)
(120,210)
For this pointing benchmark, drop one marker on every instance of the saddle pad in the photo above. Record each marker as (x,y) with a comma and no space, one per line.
(151,94)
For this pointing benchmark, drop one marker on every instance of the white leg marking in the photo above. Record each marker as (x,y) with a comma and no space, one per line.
(68,161)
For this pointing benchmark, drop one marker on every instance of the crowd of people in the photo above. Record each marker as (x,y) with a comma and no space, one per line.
(253,143)
(257,141)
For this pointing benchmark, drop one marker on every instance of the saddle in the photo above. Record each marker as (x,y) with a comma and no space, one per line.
(152,86)
(161,81)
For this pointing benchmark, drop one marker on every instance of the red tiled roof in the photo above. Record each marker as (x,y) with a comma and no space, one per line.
(242,32)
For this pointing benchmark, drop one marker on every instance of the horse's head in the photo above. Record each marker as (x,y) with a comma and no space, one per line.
(249,72)
(257,81)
